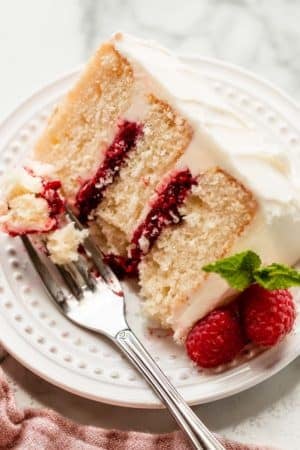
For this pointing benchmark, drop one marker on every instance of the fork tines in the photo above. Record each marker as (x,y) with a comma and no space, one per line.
(71,281)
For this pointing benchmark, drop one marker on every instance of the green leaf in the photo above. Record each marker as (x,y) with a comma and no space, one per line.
(277,276)
(237,269)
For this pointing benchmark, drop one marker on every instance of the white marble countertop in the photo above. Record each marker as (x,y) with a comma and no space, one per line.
(39,40)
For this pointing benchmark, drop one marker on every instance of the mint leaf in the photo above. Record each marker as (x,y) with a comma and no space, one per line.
(277,276)
(243,269)
(237,270)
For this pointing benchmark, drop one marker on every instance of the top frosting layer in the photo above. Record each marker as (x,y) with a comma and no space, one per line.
(164,74)
(223,138)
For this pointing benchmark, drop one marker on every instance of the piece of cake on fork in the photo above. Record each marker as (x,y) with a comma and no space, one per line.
(168,178)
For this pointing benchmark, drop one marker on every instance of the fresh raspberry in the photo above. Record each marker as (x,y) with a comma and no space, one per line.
(268,316)
(216,339)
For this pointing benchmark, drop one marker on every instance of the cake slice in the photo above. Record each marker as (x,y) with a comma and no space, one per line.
(168,178)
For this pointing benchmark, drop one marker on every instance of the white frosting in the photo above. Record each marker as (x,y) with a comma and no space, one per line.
(223,139)
(212,293)
(161,73)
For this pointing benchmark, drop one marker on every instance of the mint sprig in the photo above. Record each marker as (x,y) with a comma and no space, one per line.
(277,276)
(242,269)
(237,269)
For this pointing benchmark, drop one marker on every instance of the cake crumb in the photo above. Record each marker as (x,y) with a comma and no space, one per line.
(63,243)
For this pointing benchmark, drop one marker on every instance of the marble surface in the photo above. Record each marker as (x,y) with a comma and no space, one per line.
(39,40)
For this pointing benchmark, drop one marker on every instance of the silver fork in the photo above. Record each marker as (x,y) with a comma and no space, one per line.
(98,304)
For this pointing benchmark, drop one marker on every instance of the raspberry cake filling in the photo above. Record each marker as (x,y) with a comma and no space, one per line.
(55,202)
(184,181)
(163,212)
(91,192)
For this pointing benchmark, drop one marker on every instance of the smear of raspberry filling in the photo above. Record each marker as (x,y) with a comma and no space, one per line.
(164,212)
(55,203)
(91,192)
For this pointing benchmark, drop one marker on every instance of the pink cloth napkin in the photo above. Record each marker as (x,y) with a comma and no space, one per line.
(43,429)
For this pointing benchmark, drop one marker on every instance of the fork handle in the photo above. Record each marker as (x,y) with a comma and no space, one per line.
(200,437)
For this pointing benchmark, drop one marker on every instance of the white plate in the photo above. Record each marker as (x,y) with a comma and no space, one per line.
(36,334)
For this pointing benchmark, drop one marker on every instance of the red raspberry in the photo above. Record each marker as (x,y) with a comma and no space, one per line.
(216,339)
(268,316)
